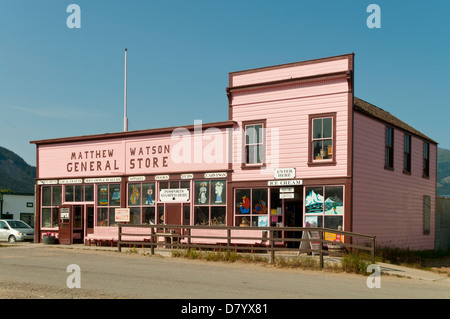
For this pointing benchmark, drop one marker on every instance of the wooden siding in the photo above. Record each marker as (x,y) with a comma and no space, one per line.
(289,71)
(286,110)
(389,203)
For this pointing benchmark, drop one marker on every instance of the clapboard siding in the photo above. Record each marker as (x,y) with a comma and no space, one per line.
(389,203)
(286,111)
(289,71)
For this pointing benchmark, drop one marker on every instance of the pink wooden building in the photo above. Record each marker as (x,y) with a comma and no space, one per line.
(298,149)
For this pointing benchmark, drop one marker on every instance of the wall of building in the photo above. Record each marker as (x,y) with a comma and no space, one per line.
(389,203)
(18,205)
(285,107)
(442,223)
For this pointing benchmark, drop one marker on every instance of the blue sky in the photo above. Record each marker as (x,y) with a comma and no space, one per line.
(58,82)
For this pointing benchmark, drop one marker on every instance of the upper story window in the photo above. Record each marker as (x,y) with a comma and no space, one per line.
(426,159)
(254,143)
(322,138)
(389,148)
(407,154)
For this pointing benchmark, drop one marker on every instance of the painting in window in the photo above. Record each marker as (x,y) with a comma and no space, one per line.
(114,191)
(134,194)
(314,200)
(259,201)
(242,201)
(334,203)
(148,191)
(202,192)
(219,193)
(103,195)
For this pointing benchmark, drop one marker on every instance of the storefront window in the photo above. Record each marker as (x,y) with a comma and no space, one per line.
(108,199)
(210,202)
(51,199)
(324,206)
(251,207)
(141,199)
(79,193)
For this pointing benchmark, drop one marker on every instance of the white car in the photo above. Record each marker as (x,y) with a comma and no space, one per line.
(15,230)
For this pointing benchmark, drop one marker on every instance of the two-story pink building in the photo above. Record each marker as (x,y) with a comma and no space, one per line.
(298,149)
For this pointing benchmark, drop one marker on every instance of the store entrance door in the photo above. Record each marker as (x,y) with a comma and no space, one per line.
(174,214)
(293,214)
(65,225)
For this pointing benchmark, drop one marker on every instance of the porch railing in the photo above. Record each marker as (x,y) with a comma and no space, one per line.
(230,238)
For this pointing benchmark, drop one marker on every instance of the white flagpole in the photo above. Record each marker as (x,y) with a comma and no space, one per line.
(125,120)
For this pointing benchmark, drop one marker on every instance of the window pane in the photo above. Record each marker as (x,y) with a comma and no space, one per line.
(242,201)
(259,133)
(161,214)
(69,193)
(55,217)
(250,134)
(57,195)
(149,215)
(219,197)
(163,185)
(135,215)
(174,185)
(317,148)
(327,149)
(134,194)
(201,215)
(46,217)
(333,222)
(112,217)
(314,200)
(46,196)
(102,217)
(218,215)
(327,127)
(77,212)
(187,214)
(334,203)
(313,221)
(242,221)
(250,154)
(202,192)
(114,192)
(259,201)
(317,128)
(149,194)
(426,214)
(79,193)
(259,154)
(89,193)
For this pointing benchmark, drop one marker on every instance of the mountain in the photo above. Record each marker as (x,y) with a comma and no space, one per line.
(443,172)
(15,173)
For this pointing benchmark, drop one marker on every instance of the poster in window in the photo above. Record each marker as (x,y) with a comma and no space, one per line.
(202,192)
(334,204)
(314,200)
(148,191)
(219,191)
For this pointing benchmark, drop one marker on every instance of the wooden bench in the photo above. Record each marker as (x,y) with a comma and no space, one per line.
(110,235)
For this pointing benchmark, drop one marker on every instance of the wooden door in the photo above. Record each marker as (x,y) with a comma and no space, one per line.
(174,214)
(65,225)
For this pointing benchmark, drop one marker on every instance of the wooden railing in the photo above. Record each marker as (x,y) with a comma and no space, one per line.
(230,238)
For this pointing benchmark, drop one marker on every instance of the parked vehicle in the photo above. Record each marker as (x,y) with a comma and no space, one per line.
(15,230)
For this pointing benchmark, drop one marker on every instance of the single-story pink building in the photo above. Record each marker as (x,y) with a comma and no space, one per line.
(298,149)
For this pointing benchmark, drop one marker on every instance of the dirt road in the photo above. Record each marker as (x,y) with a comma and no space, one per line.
(28,271)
